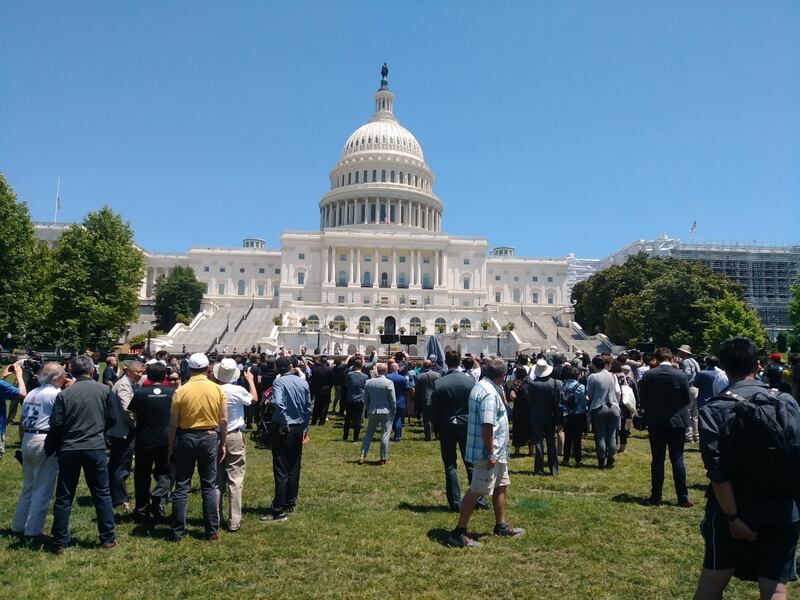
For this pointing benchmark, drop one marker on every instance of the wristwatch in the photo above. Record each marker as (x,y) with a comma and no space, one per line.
(730,517)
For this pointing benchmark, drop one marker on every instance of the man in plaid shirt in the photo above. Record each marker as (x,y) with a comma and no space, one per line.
(487,449)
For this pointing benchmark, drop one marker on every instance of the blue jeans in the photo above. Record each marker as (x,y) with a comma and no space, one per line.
(195,447)
(95,471)
(397,426)
(605,421)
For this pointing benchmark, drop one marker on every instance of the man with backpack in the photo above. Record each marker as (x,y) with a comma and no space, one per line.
(750,444)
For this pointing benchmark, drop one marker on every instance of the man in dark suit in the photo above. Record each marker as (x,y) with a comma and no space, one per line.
(450,407)
(543,395)
(321,384)
(665,399)
(424,392)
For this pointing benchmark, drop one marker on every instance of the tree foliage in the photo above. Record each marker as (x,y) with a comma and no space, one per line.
(782,342)
(730,316)
(25,269)
(97,275)
(666,299)
(794,306)
(177,297)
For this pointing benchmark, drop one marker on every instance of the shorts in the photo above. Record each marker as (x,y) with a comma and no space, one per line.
(486,478)
(770,556)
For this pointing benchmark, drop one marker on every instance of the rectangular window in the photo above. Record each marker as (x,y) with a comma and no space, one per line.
(392,217)
(341,299)
(426,260)
(535,278)
(497,277)
(466,261)
(262,289)
(206,269)
(535,298)
(372,213)
(261,270)
(301,278)
(301,256)
(384,259)
(497,297)
(221,289)
(342,257)
(366,299)
(277,271)
(222,269)
(549,280)
(550,299)
(367,259)
(402,259)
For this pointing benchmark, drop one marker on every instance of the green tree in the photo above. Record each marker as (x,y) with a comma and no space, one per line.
(794,306)
(96,281)
(25,273)
(782,342)
(624,320)
(177,297)
(731,316)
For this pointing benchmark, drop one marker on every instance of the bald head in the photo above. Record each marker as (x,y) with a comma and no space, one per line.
(426,364)
(394,368)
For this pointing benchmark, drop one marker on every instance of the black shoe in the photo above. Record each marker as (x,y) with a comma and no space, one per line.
(653,501)
(610,463)
(274,517)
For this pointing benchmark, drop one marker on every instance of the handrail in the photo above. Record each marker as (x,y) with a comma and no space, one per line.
(526,318)
(564,342)
(541,331)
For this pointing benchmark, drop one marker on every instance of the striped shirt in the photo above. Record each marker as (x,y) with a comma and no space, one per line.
(486,406)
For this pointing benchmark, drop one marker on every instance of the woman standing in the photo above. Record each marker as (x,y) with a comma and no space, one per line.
(521,432)
(601,388)
(574,394)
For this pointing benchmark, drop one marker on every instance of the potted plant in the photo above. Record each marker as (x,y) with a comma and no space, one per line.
(510,325)
(331,325)
(303,321)
(380,329)
(278,319)
(485,325)
(343,327)
(504,328)
(454,327)
(440,327)
(402,330)
(422,330)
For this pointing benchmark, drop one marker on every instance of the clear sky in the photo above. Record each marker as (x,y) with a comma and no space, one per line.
(554,127)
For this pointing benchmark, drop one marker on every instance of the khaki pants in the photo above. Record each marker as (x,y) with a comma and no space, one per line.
(230,478)
(692,432)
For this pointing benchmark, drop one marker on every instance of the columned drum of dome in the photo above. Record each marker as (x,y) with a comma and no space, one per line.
(381,179)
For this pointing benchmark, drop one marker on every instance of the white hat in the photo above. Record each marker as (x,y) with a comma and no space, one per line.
(542,368)
(198,360)
(152,361)
(226,371)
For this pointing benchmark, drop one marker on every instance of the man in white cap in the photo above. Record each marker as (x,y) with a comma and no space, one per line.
(198,429)
(230,472)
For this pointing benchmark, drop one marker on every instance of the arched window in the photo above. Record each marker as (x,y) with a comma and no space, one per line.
(342,282)
(465,324)
(515,295)
(356,176)
(383,175)
(383,213)
(414,325)
(312,322)
(349,177)
(440,323)
(364,324)
(384,280)
(401,280)
(367,279)
(426,281)
(402,179)
(339,323)
(466,282)
(391,176)
(365,176)
(240,287)
(374,176)
(372,213)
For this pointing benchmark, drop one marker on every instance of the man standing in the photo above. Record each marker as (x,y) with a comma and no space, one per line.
(750,444)
(198,411)
(110,373)
(39,471)
(543,396)
(665,399)
(355,381)
(691,368)
(230,473)
(322,380)
(151,409)
(487,449)
(401,387)
(424,391)
(10,392)
(379,405)
(81,414)
(291,413)
(122,436)
(450,408)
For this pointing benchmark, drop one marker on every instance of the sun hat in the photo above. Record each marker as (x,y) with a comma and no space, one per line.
(542,369)
(226,371)
(686,349)
(198,360)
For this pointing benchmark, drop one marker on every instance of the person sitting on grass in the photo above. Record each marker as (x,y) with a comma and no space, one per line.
(487,450)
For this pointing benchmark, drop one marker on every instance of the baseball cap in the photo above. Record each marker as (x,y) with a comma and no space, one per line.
(198,360)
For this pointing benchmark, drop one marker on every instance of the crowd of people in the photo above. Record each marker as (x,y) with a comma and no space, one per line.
(181,414)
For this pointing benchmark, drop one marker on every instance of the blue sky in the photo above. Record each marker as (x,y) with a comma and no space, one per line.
(554,127)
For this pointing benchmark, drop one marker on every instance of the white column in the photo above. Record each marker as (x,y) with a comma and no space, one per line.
(325,255)
(358,266)
(436,257)
(375,273)
(445,282)
(352,265)
(394,268)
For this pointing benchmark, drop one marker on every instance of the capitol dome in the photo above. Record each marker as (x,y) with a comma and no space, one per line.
(381,178)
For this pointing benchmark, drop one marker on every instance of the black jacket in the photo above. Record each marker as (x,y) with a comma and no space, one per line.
(664,398)
(321,377)
(544,399)
(450,399)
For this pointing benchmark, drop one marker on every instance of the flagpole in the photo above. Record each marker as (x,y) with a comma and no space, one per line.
(58,200)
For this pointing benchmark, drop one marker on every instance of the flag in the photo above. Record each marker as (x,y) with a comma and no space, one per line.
(58,201)
(693,227)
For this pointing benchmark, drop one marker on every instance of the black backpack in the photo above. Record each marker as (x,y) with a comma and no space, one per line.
(762,445)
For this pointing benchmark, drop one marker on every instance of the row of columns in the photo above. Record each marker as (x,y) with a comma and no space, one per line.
(407,212)
(357,254)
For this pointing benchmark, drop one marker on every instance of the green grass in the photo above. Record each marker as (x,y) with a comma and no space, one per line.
(377,532)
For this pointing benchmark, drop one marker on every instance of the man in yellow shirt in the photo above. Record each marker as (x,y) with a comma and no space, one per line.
(197,430)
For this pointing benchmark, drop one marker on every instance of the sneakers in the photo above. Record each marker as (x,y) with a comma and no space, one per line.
(462,540)
(506,530)
(273,517)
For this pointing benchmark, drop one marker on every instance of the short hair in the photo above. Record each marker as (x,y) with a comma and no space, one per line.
(495,367)
(616,366)
(569,372)
(81,365)
(50,374)
(663,354)
(426,364)
(381,368)
(739,356)
(133,364)
(452,358)
(161,354)
(358,362)
(520,372)
(599,363)
(156,372)
(712,361)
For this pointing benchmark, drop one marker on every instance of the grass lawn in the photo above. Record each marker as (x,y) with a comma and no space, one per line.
(377,532)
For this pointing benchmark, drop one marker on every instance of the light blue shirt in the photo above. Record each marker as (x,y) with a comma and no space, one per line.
(291,401)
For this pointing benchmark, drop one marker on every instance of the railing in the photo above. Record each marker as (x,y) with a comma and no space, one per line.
(525,318)
(239,323)
(563,342)
(538,329)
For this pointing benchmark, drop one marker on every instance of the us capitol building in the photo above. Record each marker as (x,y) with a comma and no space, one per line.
(381,263)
